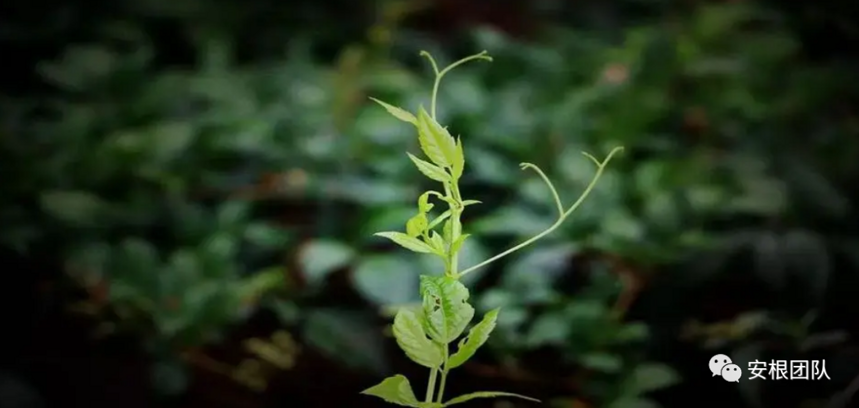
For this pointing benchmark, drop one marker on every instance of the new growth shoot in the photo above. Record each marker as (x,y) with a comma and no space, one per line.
(426,333)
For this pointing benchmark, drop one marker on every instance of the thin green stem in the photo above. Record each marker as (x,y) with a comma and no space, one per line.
(440,74)
(600,167)
(444,372)
(431,384)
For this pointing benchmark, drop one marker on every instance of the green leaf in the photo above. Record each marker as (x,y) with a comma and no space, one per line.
(486,394)
(459,162)
(398,113)
(603,362)
(430,170)
(437,242)
(476,337)
(321,257)
(424,205)
(405,241)
(653,376)
(458,243)
(416,225)
(632,402)
(387,279)
(395,390)
(78,208)
(435,141)
(348,336)
(409,333)
(445,303)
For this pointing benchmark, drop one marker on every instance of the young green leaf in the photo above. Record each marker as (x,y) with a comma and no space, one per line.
(459,163)
(416,225)
(445,303)
(398,113)
(470,202)
(476,337)
(405,241)
(457,245)
(430,170)
(395,390)
(424,205)
(435,141)
(486,394)
(437,242)
(410,336)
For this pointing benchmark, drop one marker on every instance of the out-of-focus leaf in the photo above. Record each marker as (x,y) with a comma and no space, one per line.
(78,208)
(653,376)
(321,257)
(603,362)
(348,336)
(550,328)
(385,280)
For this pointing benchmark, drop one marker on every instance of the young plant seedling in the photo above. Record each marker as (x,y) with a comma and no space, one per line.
(425,334)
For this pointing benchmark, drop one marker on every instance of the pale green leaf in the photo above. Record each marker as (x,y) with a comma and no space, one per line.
(411,337)
(398,113)
(430,170)
(455,247)
(416,225)
(424,205)
(470,202)
(437,242)
(445,303)
(459,160)
(435,140)
(405,241)
(395,390)
(486,394)
(476,337)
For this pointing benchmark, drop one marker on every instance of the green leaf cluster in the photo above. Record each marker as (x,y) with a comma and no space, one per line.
(426,333)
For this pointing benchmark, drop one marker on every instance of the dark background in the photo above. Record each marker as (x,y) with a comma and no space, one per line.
(190,189)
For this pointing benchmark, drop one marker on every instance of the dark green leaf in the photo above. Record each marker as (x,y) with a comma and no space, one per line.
(653,376)
(78,208)
(348,336)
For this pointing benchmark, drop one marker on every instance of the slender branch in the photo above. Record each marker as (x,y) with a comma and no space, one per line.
(444,372)
(440,74)
(600,167)
(549,183)
(431,384)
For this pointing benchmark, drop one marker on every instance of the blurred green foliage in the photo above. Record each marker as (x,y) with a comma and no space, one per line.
(152,182)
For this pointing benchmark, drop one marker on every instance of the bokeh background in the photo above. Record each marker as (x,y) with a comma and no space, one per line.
(189,190)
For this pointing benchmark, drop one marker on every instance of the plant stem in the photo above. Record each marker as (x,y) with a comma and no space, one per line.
(443,375)
(431,384)
(600,167)
(439,74)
